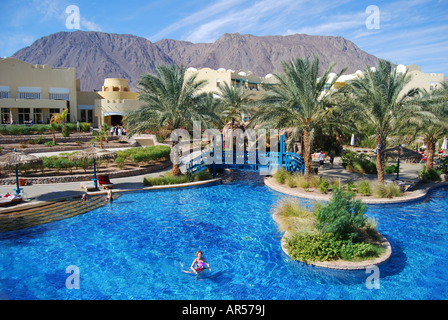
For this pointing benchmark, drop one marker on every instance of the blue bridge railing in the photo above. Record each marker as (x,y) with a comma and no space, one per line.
(249,160)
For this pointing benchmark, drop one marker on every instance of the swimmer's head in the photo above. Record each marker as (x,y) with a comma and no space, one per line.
(199,252)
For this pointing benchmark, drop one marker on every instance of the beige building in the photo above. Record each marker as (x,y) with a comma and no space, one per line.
(32,93)
(419,79)
(115,100)
(215,78)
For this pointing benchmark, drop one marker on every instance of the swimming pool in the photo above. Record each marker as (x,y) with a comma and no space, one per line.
(138,247)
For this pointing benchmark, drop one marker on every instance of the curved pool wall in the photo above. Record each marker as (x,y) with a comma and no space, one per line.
(140,246)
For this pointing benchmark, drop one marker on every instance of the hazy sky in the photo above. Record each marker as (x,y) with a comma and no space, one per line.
(405,32)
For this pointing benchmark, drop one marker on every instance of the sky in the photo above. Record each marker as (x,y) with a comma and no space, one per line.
(403,32)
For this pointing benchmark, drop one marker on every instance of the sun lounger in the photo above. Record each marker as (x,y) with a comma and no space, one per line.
(88,186)
(4,201)
(104,181)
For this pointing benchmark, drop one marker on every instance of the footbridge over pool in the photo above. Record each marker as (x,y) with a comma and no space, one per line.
(265,162)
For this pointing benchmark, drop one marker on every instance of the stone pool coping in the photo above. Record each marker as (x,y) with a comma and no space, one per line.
(418,194)
(341,264)
(35,204)
(170,186)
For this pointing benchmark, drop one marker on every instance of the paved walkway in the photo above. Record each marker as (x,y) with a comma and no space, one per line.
(49,192)
(408,171)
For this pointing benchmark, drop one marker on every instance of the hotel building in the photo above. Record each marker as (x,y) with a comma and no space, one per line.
(32,93)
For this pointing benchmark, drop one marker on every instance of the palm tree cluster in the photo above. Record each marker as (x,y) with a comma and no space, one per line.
(374,104)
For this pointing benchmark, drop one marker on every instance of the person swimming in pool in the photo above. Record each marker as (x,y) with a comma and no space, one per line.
(201,262)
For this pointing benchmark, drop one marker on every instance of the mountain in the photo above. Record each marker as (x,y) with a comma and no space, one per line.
(98,55)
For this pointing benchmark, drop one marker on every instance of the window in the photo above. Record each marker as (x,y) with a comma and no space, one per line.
(433,85)
(37,115)
(59,96)
(5,116)
(53,112)
(87,116)
(29,95)
(4,92)
(59,93)
(24,115)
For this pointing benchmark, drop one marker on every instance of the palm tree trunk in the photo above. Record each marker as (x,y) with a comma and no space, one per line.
(430,151)
(306,153)
(380,161)
(54,136)
(176,170)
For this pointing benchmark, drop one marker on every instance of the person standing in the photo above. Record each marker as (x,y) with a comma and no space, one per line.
(321,159)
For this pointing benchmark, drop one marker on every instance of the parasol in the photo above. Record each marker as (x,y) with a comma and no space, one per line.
(16,159)
(402,152)
(95,154)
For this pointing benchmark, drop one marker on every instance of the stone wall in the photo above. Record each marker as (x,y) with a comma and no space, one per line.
(87,177)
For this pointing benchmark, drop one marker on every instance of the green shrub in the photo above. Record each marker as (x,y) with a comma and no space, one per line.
(50,144)
(166,179)
(38,140)
(280,176)
(119,161)
(388,190)
(291,181)
(391,169)
(314,181)
(342,215)
(350,186)
(145,154)
(323,185)
(430,175)
(364,188)
(328,246)
(201,175)
(359,163)
(84,126)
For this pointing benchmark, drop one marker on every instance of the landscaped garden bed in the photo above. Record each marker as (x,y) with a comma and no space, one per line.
(336,235)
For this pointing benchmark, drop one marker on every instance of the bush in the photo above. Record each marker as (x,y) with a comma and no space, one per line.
(281,175)
(364,188)
(323,185)
(38,140)
(145,154)
(430,175)
(359,163)
(166,179)
(119,161)
(389,190)
(291,181)
(391,169)
(327,246)
(201,175)
(342,215)
(50,144)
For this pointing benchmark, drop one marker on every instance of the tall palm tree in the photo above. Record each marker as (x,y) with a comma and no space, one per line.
(300,100)
(235,101)
(433,129)
(378,99)
(171,100)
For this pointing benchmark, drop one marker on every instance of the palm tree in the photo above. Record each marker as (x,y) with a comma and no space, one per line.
(377,99)
(56,119)
(300,100)
(102,134)
(235,101)
(433,129)
(171,100)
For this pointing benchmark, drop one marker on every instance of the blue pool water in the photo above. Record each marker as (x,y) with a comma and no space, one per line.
(138,247)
